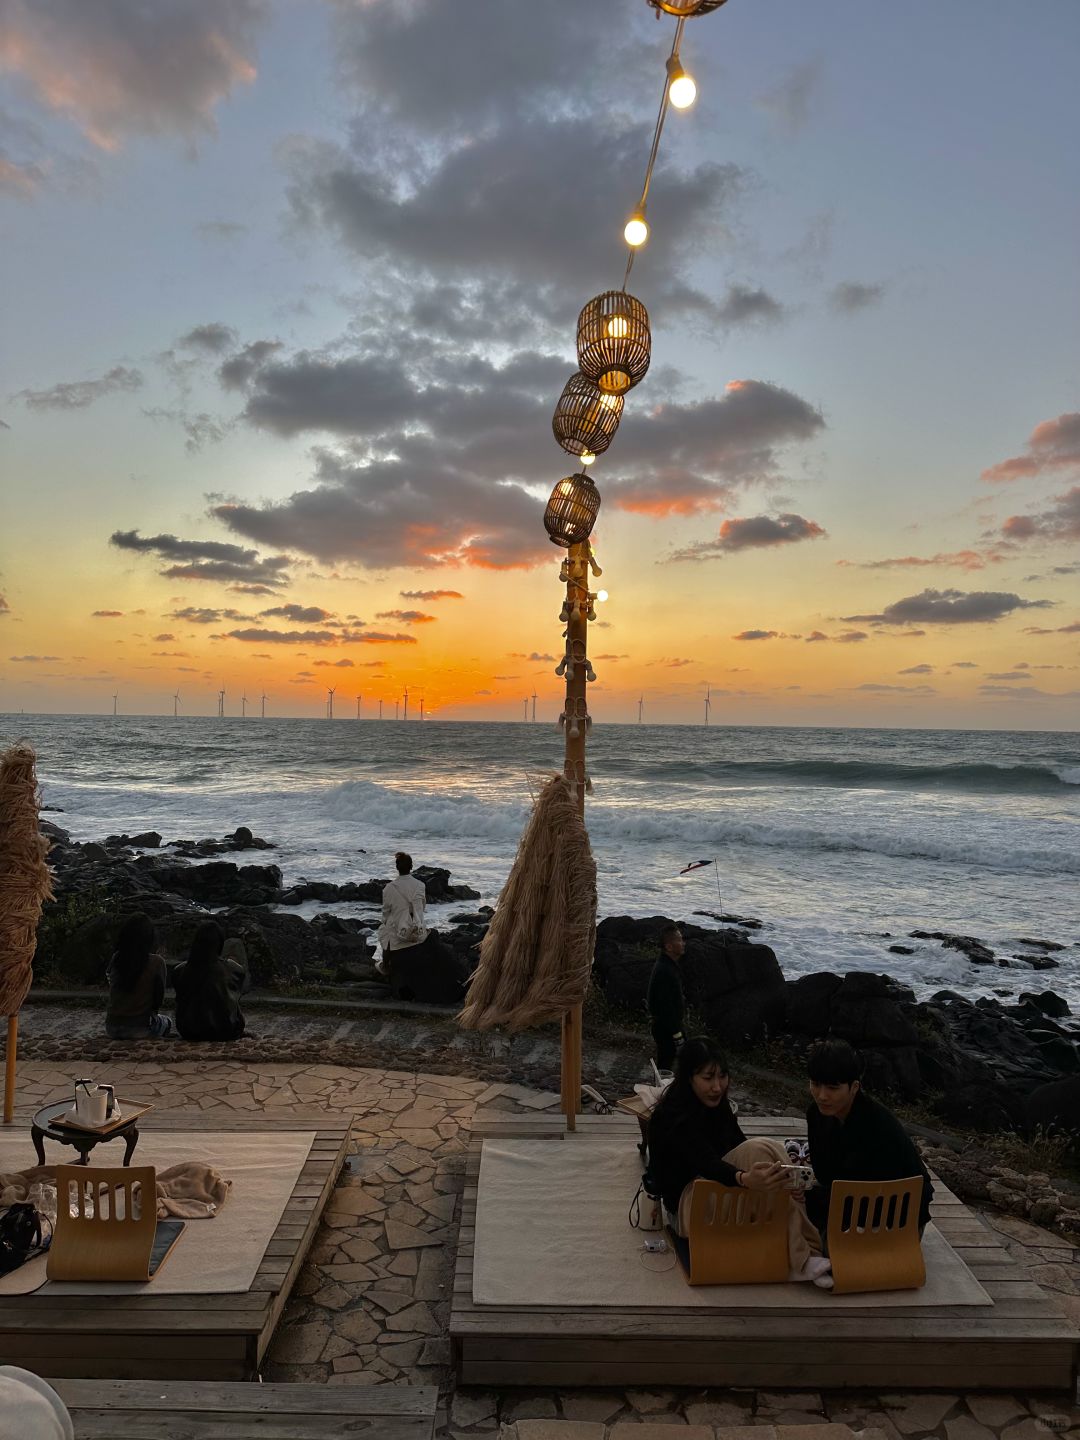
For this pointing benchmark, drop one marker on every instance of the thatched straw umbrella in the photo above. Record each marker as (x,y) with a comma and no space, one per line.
(536,956)
(24,887)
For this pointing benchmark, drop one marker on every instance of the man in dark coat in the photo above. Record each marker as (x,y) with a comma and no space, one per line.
(667,1004)
(851,1136)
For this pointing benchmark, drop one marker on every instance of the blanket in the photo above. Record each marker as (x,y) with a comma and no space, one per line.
(188,1191)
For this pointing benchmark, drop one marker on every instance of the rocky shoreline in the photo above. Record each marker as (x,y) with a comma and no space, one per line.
(982,1064)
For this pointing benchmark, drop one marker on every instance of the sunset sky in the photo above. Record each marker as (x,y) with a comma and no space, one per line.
(289,294)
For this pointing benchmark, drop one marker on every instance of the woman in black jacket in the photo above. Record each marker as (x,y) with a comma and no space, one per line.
(693,1134)
(136,978)
(207,1007)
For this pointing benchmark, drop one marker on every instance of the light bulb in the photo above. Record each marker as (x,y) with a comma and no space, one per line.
(636,231)
(682,91)
(601,595)
(616,328)
(587,458)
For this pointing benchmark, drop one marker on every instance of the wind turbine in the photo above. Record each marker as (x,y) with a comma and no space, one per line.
(263,700)
(421,709)
(708,703)
(221,703)
(397,709)
(406,702)
(243,706)
(358,699)
(640,708)
(534,704)
(330,702)
(526,715)
(114,700)
(176,705)
(380,709)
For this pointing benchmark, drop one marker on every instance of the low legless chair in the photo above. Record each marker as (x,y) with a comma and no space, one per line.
(874,1235)
(736,1236)
(109,1236)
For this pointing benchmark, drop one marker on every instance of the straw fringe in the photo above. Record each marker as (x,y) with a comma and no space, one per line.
(537,955)
(25,882)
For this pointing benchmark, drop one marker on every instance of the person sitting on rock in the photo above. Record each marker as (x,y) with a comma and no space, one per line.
(403,902)
(136,978)
(666,1001)
(851,1136)
(694,1135)
(207,988)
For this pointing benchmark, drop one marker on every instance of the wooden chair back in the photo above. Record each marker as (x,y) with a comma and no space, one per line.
(736,1236)
(874,1239)
(104,1230)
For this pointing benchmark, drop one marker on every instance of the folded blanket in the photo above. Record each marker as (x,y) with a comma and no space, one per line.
(191,1190)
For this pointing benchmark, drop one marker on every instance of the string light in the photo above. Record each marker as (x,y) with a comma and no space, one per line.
(636,230)
(682,89)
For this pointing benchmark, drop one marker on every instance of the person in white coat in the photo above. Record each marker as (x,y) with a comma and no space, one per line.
(404,900)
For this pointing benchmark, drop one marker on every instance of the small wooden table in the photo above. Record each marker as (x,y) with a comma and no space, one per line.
(44,1127)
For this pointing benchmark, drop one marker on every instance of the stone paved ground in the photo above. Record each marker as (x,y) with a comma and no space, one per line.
(372,1303)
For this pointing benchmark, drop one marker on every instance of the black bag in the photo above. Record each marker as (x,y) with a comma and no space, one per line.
(21,1236)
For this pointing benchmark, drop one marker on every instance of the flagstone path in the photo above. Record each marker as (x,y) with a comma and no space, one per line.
(372,1303)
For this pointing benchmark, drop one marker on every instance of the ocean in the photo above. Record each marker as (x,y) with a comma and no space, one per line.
(840,841)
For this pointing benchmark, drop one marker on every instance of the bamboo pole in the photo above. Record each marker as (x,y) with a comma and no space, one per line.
(577,633)
(9,1068)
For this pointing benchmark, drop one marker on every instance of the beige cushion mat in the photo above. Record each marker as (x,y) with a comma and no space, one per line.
(552,1229)
(212,1257)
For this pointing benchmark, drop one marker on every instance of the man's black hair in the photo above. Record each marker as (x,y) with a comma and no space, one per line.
(834,1062)
(668,933)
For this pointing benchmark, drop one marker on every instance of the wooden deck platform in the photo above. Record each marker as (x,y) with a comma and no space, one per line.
(168,1410)
(1024,1342)
(182,1337)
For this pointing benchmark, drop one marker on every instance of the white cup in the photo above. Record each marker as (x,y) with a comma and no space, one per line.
(98,1105)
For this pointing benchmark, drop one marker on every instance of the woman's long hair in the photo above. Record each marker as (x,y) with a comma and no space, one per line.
(134,943)
(678,1100)
(206,945)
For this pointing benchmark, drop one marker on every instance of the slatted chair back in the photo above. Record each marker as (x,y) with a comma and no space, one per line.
(106,1220)
(736,1236)
(874,1239)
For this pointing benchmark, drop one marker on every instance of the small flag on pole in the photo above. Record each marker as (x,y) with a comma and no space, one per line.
(696,865)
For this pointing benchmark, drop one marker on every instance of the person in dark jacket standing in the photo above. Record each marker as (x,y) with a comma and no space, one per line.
(207,1007)
(667,1003)
(851,1136)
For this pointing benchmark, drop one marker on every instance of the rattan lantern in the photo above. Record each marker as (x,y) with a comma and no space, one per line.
(614,344)
(685,9)
(585,418)
(572,510)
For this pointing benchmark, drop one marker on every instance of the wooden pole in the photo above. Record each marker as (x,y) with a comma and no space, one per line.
(577,632)
(9,1068)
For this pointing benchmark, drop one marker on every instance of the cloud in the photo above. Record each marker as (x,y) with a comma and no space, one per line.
(1071,629)
(952,607)
(78,394)
(518,655)
(611,657)
(32,659)
(688,457)
(220,229)
(431,595)
(851,296)
(677,664)
(164,638)
(5,608)
(791,102)
(917,670)
(198,615)
(756,635)
(106,614)
(746,305)
(755,532)
(1053,445)
(1007,675)
(212,339)
(127,68)
(1059,523)
(871,689)
(336,664)
(1026,692)
(406,617)
(238,370)
(958,559)
(850,637)
(257,636)
(300,614)
(213,560)
(199,429)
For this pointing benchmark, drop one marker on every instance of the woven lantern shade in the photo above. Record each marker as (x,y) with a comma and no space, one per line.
(614,344)
(685,9)
(585,419)
(572,510)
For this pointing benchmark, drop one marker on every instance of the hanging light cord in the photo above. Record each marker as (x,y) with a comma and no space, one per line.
(657,132)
